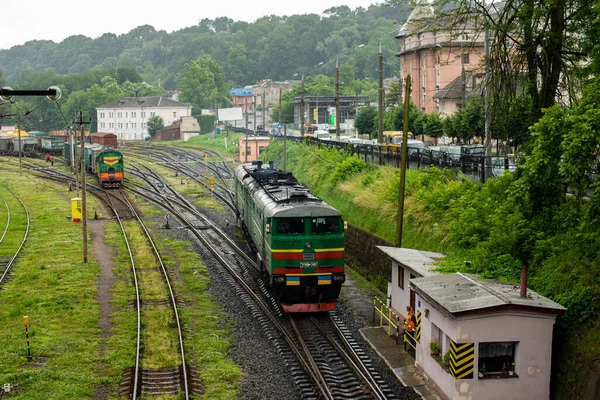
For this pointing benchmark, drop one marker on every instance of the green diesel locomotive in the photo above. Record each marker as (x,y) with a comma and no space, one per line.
(298,237)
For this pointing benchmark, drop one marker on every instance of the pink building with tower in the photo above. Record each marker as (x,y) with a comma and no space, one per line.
(438,55)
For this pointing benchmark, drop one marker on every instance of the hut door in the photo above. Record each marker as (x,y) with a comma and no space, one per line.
(412,295)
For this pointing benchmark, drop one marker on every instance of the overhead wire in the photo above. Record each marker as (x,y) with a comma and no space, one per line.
(26,113)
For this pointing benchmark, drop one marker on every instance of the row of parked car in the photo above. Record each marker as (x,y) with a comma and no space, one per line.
(450,155)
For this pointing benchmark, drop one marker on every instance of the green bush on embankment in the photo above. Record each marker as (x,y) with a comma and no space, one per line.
(494,225)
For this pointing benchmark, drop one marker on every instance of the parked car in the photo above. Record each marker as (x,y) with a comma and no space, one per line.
(415,146)
(451,154)
(434,153)
(499,165)
(473,149)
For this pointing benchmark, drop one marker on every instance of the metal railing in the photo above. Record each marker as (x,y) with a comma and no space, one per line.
(388,315)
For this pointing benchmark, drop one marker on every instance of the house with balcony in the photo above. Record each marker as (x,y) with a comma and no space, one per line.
(128,117)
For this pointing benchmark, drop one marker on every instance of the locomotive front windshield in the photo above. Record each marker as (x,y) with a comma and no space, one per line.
(320,225)
(290,226)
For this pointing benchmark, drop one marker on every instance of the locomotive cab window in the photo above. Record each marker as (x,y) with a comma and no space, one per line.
(325,225)
(290,226)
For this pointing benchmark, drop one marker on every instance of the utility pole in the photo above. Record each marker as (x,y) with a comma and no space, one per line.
(488,133)
(83,190)
(380,96)
(254,111)
(302,108)
(284,140)
(20,148)
(404,161)
(337,98)
(246,144)
(279,119)
(264,110)
(356,116)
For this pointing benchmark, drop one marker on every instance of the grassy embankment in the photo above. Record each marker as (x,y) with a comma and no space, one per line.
(447,213)
(58,292)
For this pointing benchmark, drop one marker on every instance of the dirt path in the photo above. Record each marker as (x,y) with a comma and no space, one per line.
(103,254)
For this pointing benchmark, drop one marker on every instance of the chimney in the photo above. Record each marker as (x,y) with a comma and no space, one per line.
(524,273)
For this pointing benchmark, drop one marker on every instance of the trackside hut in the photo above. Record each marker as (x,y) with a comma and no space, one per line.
(253,147)
(407,264)
(499,344)
(477,322)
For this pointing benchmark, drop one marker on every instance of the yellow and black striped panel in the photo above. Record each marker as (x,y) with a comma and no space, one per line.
(462,358)
(418,331)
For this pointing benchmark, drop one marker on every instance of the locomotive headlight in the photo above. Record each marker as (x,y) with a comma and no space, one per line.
(339,278)
(279,279)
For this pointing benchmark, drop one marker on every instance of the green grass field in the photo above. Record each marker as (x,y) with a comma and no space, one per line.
(57,291)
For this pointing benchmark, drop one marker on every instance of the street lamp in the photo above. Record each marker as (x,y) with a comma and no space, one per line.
(380,90)
(337,90)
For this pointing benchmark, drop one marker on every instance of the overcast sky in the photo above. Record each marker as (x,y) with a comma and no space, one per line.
(24,20)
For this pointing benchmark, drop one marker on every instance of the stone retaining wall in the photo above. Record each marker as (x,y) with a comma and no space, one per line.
(362,255)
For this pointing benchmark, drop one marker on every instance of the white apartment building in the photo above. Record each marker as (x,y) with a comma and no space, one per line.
(128,117)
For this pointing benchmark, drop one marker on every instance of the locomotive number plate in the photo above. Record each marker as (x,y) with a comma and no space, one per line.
(309,264)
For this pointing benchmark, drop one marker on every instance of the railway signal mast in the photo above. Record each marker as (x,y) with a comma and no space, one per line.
(7,93)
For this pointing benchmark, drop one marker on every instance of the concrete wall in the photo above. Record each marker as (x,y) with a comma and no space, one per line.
(361,254)
(532,331)
(172,133)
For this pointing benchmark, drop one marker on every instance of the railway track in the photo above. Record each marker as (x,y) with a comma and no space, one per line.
(325,362)
(214,176)
(143,380)
(7,259)
(319,368)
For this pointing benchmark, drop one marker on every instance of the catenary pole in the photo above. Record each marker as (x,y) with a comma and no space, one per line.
(380,95)
(404,161)
(302,108)
(83,190)
(337,98)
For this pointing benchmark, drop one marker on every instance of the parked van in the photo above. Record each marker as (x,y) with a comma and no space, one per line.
(322,135)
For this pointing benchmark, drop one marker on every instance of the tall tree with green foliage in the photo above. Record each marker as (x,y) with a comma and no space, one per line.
(535,46)
(155,123)
(366,121)
(203,85)
(207,123)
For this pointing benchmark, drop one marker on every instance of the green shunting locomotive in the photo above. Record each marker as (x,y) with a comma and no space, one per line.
(298,237)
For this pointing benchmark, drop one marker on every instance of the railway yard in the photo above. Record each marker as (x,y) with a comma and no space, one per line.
(170,303)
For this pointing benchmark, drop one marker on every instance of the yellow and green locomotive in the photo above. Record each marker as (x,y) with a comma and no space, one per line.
(298,237)
(105,162)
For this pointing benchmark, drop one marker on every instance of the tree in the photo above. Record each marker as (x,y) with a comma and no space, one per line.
(237,63)
(535,45)
(434,126)
(207,123)
(155,123)
(366,121)
(203,85)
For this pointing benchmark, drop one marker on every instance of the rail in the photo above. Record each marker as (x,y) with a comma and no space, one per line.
(388,315)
